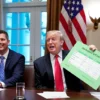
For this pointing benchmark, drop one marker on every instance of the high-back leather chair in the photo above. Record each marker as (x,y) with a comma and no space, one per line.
(29,76)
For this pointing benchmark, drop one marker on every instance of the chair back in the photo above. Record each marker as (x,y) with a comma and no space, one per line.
(29,76)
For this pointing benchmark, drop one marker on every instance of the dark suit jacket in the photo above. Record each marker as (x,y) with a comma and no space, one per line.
(44,74)
(14,68)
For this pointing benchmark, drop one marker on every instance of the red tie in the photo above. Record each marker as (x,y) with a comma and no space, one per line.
(58,76)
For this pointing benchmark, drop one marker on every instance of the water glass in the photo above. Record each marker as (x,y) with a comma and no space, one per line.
(20,90)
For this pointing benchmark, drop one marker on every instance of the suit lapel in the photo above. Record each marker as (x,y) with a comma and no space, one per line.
(64,53)
(49,69)
(8,59)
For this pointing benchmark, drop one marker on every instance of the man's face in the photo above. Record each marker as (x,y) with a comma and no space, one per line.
(3,43)
(54,42)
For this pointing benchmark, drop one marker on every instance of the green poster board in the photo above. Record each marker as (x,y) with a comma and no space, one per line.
(84,64)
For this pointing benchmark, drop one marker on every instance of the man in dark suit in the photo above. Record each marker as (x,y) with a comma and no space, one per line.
(14,63)
(44,66)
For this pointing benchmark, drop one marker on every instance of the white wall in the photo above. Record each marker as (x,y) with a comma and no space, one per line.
(92,8)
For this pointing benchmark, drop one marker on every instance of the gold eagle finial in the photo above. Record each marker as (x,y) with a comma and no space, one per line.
(95,21)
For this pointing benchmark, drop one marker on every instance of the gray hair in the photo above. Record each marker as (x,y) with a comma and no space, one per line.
(57,31)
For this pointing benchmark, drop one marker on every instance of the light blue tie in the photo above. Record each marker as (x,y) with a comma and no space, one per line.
(2,74)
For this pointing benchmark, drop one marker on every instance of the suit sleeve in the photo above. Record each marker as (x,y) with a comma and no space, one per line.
(38,77)
(15,71)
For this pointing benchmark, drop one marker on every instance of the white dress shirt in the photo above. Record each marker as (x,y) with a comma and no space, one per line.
(52,57)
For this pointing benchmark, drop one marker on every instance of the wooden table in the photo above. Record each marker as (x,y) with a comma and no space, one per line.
(31,94)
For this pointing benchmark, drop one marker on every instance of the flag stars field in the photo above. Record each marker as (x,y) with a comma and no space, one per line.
(73,2)
(72,8)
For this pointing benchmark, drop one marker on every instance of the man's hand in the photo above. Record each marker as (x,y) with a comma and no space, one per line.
(92,47)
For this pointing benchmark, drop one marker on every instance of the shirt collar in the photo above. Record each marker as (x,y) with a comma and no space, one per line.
(6,54)
(60,55)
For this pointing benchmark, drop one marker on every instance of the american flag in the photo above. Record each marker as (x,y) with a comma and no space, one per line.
(72,23)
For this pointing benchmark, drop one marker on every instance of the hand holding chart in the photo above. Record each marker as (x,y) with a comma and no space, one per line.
(84,64)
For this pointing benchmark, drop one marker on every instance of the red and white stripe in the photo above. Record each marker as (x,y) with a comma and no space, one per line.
(78,25)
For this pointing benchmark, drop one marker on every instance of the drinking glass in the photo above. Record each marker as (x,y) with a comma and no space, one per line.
(20,90)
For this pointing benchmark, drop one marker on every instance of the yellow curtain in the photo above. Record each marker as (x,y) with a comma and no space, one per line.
(53,12)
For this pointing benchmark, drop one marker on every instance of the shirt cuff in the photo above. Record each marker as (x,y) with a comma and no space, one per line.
(3,84)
